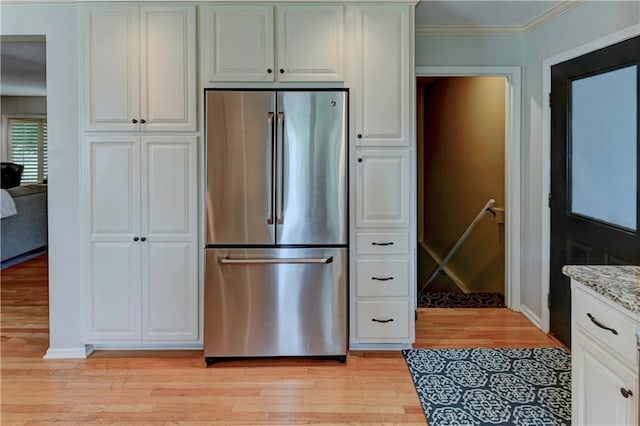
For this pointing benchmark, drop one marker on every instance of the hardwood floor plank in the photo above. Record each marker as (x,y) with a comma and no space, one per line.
(174,387)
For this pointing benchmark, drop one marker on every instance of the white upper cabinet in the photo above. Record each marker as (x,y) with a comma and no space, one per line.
(310,43)
(239,43)
(382,81)
(140,68)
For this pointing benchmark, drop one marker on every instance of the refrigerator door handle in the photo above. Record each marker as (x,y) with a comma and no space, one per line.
(269,260)
(270,194)
(280,212)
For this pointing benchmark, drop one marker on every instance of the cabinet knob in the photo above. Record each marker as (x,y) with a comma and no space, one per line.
(134,121)
(281,70)
(626,392)
(143,239)
(135,238)
(269,70)
(142,120)
(359,160)
(359,135)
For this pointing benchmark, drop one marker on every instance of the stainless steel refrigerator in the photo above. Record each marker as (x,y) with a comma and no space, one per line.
(276,224)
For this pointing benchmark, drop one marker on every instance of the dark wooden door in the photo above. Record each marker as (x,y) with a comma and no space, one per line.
(594,168)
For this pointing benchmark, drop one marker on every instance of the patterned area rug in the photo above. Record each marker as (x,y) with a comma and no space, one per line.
(461,300)
(492,386)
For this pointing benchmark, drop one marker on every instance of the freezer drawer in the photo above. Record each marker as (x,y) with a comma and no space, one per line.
(275,302)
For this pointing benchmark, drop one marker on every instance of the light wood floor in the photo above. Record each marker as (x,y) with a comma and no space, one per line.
(175,388)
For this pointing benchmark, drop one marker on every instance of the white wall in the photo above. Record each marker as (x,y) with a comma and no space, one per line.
(59,25)
(589,21)
(19,106)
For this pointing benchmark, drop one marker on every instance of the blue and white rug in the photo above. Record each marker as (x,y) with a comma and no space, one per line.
(492,386)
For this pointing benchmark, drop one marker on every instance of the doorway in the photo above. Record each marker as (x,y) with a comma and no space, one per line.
(503,229)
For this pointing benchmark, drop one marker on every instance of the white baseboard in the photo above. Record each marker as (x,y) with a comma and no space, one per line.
(535,319)
(359,347)
(112,346)
(68,353)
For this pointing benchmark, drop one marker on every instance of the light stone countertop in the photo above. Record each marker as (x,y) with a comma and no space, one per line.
(620,284)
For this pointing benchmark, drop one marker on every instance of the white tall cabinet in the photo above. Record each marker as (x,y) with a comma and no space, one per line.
(140,169)
(383,284)
(142,152)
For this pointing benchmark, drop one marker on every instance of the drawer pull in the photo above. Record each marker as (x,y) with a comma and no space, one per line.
(382,278)
(626,392)
(599,324)
(382,321)
(390,243)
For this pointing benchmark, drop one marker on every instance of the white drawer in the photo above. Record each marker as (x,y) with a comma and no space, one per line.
(591,315)
(382,278)
(383,243)
(382,320)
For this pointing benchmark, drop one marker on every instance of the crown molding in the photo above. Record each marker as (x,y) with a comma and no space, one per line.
(541,20)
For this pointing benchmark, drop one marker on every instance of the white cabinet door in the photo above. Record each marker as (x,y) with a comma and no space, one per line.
(169,212)
(599,384)
(112,62)
(170,291)
(382,82)
(114,203)
(237,42)
(310,43)
(382,188)
(169,188)
(114,293)
(168,68)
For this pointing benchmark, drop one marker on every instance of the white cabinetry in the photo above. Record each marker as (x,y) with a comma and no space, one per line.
(243,43)
(140,67)
(604,361)
(383,128)
(143,283)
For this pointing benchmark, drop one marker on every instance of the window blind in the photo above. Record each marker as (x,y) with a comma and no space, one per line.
(28,146)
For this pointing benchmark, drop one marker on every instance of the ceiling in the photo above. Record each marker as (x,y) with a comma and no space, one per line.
(23,59)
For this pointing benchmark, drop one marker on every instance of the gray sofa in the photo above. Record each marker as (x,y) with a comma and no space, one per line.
(27,231)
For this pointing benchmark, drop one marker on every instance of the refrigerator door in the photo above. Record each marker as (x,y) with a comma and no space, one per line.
(275,302)
(240,168)
(311,177)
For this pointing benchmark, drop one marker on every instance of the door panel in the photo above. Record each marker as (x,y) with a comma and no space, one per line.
(594,173)
(239,198)
(170,291)
(311,189)
(112,69)
(115,291)
(169,188)
(238,42)
(113,187)
(168,59)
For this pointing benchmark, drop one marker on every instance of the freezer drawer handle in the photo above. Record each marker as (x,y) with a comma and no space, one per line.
(319,260)
(382,321)
(599,324)
(390,243)
(382,279)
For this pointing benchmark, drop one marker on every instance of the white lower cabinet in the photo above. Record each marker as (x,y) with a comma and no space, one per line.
(143,271)
(600,383)
(604,360)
